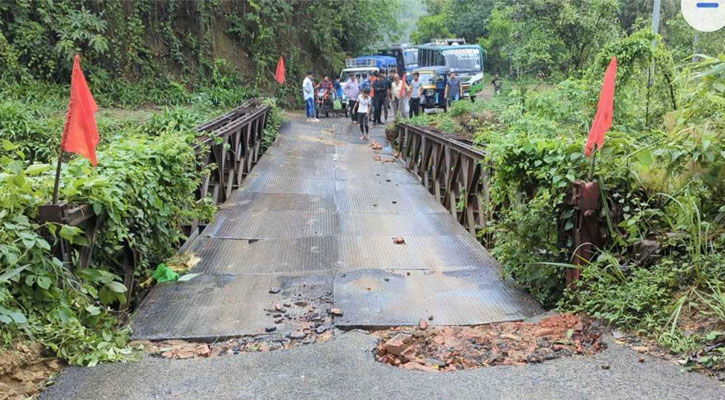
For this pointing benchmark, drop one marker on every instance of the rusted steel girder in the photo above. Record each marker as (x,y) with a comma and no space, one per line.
(453,171)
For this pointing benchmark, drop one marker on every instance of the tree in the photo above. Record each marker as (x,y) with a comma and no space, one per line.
(498,44)
(431,27)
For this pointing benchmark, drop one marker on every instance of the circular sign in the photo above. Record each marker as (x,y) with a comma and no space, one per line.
(704,15)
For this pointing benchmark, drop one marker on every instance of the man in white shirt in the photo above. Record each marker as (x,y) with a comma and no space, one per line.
(398,88)
(308,92)
(416,91)
(352,91)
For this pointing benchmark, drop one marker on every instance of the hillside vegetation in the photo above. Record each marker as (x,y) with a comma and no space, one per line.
(157,69)
(661,270)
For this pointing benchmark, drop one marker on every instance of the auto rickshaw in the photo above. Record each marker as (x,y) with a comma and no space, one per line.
(434,81)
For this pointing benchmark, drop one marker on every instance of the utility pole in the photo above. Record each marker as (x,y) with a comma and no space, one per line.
(656,29)
(656,16)
(695,43)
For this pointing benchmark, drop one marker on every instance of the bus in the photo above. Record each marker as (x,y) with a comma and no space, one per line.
(466,60)
(405,55)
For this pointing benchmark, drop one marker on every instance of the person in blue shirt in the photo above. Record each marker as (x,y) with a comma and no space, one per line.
(365,84)
(338,88)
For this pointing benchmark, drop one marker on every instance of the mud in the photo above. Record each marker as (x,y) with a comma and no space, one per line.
(24,370)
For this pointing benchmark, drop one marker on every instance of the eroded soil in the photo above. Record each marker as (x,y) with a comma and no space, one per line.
(24,370)
(511,343)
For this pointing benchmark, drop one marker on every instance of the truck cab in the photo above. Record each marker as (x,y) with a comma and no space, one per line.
(365,65)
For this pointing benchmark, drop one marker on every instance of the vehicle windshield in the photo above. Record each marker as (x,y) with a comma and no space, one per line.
(427,78)
(463,59)
(410,56)
(345,75)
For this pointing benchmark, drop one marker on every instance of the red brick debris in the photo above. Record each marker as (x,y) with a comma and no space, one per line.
(431,349)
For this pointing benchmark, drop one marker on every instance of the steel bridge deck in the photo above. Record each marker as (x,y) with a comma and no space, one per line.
(317,215)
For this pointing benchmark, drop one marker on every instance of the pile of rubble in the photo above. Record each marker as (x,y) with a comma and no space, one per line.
(293,322)
(510,343)
(383,154)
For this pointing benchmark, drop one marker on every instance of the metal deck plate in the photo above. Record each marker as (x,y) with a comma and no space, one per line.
(290,184)
(214,307)
(406,225)
(317,213)
(267,256)
(435,253)
(378,298)
(254,201)
(366,176)
(233,224)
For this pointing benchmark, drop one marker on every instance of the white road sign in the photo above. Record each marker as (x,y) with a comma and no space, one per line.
(704,15)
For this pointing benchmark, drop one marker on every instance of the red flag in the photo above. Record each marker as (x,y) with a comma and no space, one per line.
(81,132)
(280,75)
(603,120)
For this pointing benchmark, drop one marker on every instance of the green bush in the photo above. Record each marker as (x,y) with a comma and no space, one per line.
(661,173)
(144,190)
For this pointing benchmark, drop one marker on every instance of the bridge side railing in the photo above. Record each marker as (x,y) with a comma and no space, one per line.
(234,142)
(229,145)
(453,171)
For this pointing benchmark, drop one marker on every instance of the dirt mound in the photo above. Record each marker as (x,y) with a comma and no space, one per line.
(509,343)
(24,371)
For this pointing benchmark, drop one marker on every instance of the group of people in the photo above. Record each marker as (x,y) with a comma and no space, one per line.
(376,93)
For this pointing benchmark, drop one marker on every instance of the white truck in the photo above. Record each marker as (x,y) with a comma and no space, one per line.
(365,66)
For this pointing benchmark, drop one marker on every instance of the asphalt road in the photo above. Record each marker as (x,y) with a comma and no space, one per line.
(345,369)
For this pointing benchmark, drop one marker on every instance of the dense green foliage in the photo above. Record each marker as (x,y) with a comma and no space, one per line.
(171,46)
(555,37)
(143,189)
(193,57)
(661,172)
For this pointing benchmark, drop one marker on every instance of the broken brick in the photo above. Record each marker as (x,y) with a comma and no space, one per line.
(408,354)
(396,345)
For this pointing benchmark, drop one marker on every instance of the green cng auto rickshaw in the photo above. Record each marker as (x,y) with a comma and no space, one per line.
(433,81)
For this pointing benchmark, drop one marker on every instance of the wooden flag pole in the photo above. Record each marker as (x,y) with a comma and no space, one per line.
(57,174)
(593,162)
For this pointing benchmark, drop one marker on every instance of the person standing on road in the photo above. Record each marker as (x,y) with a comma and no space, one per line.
(389,97)
(351,90)
(380,88)
(497,84)
(454,89)
(338,88)
(362,110)
(398,89)
(416,91)
(308,93)
(365,83)
(326,84)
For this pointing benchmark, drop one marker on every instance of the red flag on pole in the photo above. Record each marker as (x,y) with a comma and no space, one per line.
(81,132)
(603,120)
(280,75)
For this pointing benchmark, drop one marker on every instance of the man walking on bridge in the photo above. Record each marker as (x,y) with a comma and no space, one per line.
(308,93)
(416,89)
(398,89)
(351,90)
(380,90)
